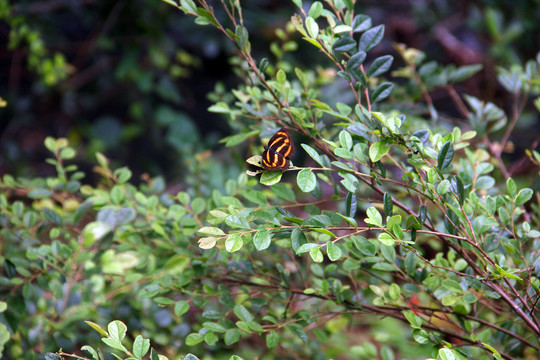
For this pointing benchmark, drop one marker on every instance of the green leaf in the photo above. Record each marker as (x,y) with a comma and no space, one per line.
(443,187)
(117,330)
(316,254)
(231,336)
(236,221)
(415,321)
(382,92)
(198,205)
(312,27)
(447,354)
(361,23)
(270,178)
(306,180)
(304,248)
(484,183)
(380,65)
(234,243)
(384,267)
(452,285)
(344,45)
(242,313)
(333,250)
(115,344)
(511,187)
(140,346)
(209,230)
(410,263)
(94,231)
(52,216)
(181,307)
(371,38)
(298,331)
(364,246)
(281,77)
(91,350)
(510,81)
(313,154)
(315,10)
(96,327)
(262,239)
(445,156)
(236,139)
(374,217)
(377,150)
(346,140)
(194,339)
(272,340)
(388,204)
(284,192)
(451,222)
(215,327)
(464,72)
(523,196)
(343,153)
(210,338)
(351,203)
(389,253)
(386,239)
(356,60)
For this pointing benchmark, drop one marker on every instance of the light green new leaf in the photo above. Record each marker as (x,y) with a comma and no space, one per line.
(378,150)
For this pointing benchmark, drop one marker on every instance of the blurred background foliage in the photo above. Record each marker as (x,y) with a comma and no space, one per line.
(131,78)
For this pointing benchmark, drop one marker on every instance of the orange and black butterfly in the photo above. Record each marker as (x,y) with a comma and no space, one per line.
(278,152)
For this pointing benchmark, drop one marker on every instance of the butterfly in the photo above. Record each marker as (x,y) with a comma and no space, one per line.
(278,152)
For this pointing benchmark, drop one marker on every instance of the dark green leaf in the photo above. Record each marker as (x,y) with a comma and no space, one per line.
(313,153)
(298,331)
(422,135)
(356,60)
(298,238)
(380,65)
(371,38)
(344,45)
(351,204)
(445,156)
(451,222)
(52,216)
(410,263)
(388,204)
(382,92)
(361,23)
(364,246)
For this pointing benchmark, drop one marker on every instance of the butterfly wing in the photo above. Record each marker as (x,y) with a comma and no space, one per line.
(279,150)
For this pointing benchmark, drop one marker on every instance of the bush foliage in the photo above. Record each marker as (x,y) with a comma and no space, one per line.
(404,234)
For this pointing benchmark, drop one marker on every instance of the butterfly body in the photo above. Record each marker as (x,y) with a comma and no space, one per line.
(278,152)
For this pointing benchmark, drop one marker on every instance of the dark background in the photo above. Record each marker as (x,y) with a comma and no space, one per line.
(137,73)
